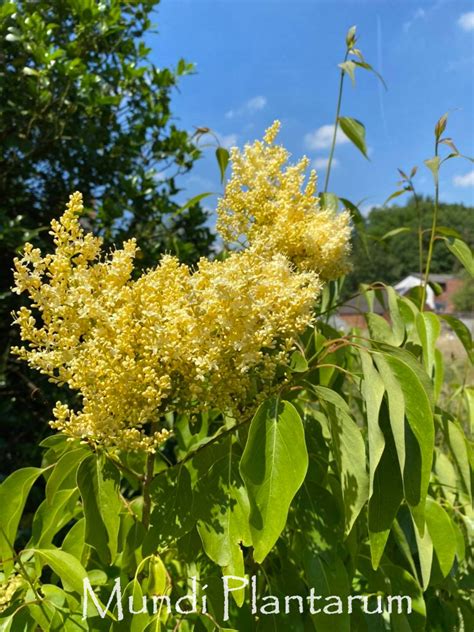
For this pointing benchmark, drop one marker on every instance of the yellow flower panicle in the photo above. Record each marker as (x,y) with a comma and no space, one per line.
(267,204)
(176,338)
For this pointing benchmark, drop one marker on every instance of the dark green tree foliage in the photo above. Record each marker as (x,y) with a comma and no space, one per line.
(464,297)
(83,108)
(395,257)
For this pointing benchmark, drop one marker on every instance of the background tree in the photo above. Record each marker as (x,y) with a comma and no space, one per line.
(395,257)
(83,108)
(464,297)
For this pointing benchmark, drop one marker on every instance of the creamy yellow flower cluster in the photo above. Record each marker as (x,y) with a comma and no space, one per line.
(176,338)
(268,207)
(8,588)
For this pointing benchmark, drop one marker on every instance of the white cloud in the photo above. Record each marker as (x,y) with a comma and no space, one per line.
(257,103)
(249,107)
(418,15)
(466,21)
(467,180)
(321,138)
(322,163)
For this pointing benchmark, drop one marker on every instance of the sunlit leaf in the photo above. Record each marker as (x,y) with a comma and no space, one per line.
(349,67)
(13,494)
(463,253)
(223,511)
(68,568)
(98,482)
(429,329)
(355,132)
(442,534)
(433,165)
(273,467)
(222,156)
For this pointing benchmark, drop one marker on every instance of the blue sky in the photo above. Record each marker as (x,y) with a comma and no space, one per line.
(258,60)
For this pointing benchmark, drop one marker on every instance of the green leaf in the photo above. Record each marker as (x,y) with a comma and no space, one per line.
(329,201)
(355,132)
(44,616)
(158,576)
(442,535)
(469,397)
(402,583)
(349,451)
(66,566)
(433,165)
(446,476)
(408,358)
(373,389)
(223,513)
(273,467)
(395,232)
(356,215)
(64,473)
(192,202)
(441,126)
(398,324)
(329,579)
(460,450)
(394,195)
(447,232)
(222,156)
(134,619)
(463,253)
(359,222)
(396,406)
(51,517)
(298,362)
(7,622)
(424,545)
(461,330)
(379,328)
(387,493)
(351,37)
(73,542)
(366,66)
(429,329)
(13,494)
(408,398)
(317,515)
(98,481)
(349,68)
(332,397)
(172,516)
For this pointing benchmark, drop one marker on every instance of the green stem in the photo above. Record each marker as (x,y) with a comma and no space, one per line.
(336,125)
(420,229)
(147,481)
(432,237)
(150,464)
